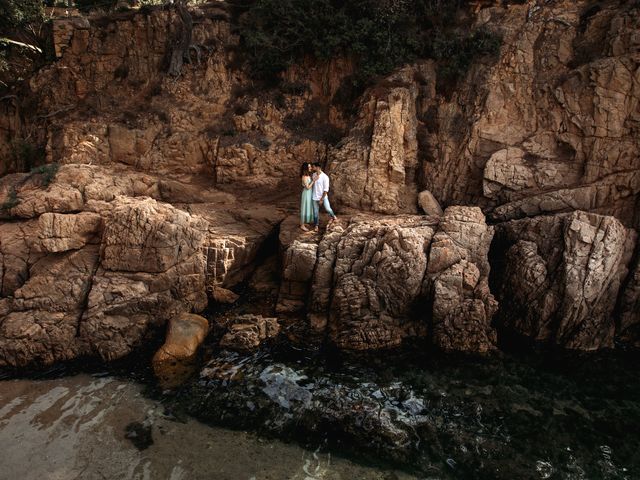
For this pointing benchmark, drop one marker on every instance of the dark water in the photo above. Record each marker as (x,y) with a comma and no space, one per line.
(389,415)
(104,427)
(541,415)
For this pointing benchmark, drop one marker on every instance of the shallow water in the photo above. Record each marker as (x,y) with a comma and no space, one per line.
(407,415)
(103,427)
(544,415)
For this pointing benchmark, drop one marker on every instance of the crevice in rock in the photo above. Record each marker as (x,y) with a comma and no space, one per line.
(84,302)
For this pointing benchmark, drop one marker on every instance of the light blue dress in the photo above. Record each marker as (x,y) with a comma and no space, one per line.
(306,202)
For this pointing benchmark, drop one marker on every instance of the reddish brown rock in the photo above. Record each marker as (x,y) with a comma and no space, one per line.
(562,277)
(175,359)
(374,168)
(247,332)
(457,282)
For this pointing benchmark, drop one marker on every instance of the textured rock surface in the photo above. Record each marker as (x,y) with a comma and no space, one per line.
(553,125)
(457,281)
(185,333)
(134,219)
(91,266)
(562,277)
(374,168)
(300,250)
(247,332)
(379,280)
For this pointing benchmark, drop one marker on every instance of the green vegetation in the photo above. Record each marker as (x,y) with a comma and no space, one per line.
(25,155)
(47,171)
(11,201)
(378,34)
(20,14)
(42,176)
(23,43)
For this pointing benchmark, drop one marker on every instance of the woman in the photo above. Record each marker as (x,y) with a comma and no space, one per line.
(306,203)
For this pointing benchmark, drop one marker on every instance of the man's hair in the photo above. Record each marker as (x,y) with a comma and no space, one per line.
(317,164)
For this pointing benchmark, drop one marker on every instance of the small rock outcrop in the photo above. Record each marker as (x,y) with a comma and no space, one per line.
(175,359)
(247,332)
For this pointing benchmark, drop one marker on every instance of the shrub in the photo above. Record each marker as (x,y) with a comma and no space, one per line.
(48,172)
(25,155)
(378,34)
(11,201)
(88,5)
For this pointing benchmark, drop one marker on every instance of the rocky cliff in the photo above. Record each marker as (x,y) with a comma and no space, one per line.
(158,190)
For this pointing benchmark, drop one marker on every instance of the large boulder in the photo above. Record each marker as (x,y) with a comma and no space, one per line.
(562,277)
(147,236)
(458,282)
(175,359)
(90,265)
(377,281)
(374,167)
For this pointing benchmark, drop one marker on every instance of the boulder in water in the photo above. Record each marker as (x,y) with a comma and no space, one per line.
(174,361)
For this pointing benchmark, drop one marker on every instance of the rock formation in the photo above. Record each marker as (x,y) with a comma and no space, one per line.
(374,168)
(175,359)
(562,277)
(383,279)
(247,332)
(90,265)
(457,281)
(167,189)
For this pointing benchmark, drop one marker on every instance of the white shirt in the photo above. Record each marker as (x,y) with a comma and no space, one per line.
(321,186)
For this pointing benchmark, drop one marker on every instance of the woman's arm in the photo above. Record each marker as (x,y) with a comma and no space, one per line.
(308,184)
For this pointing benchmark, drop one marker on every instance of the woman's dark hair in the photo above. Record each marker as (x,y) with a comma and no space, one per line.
(304,169)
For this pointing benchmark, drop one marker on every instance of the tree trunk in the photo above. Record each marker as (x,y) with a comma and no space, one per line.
(181,50)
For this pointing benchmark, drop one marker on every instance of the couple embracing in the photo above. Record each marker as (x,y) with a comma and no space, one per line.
(315,191)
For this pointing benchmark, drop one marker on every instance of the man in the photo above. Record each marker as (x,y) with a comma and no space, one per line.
(321,195)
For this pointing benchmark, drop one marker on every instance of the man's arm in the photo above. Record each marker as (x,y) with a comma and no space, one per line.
(325,187)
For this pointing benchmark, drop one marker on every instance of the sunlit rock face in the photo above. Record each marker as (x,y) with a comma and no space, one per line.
(371,282)
(91,264)
(168,188)
(375,165)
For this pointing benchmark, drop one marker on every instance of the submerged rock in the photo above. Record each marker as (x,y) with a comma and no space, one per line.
(248,332)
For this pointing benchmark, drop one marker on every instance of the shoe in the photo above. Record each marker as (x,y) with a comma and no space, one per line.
(304,228)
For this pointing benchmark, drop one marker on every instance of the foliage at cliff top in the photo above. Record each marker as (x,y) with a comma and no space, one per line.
(378,34)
